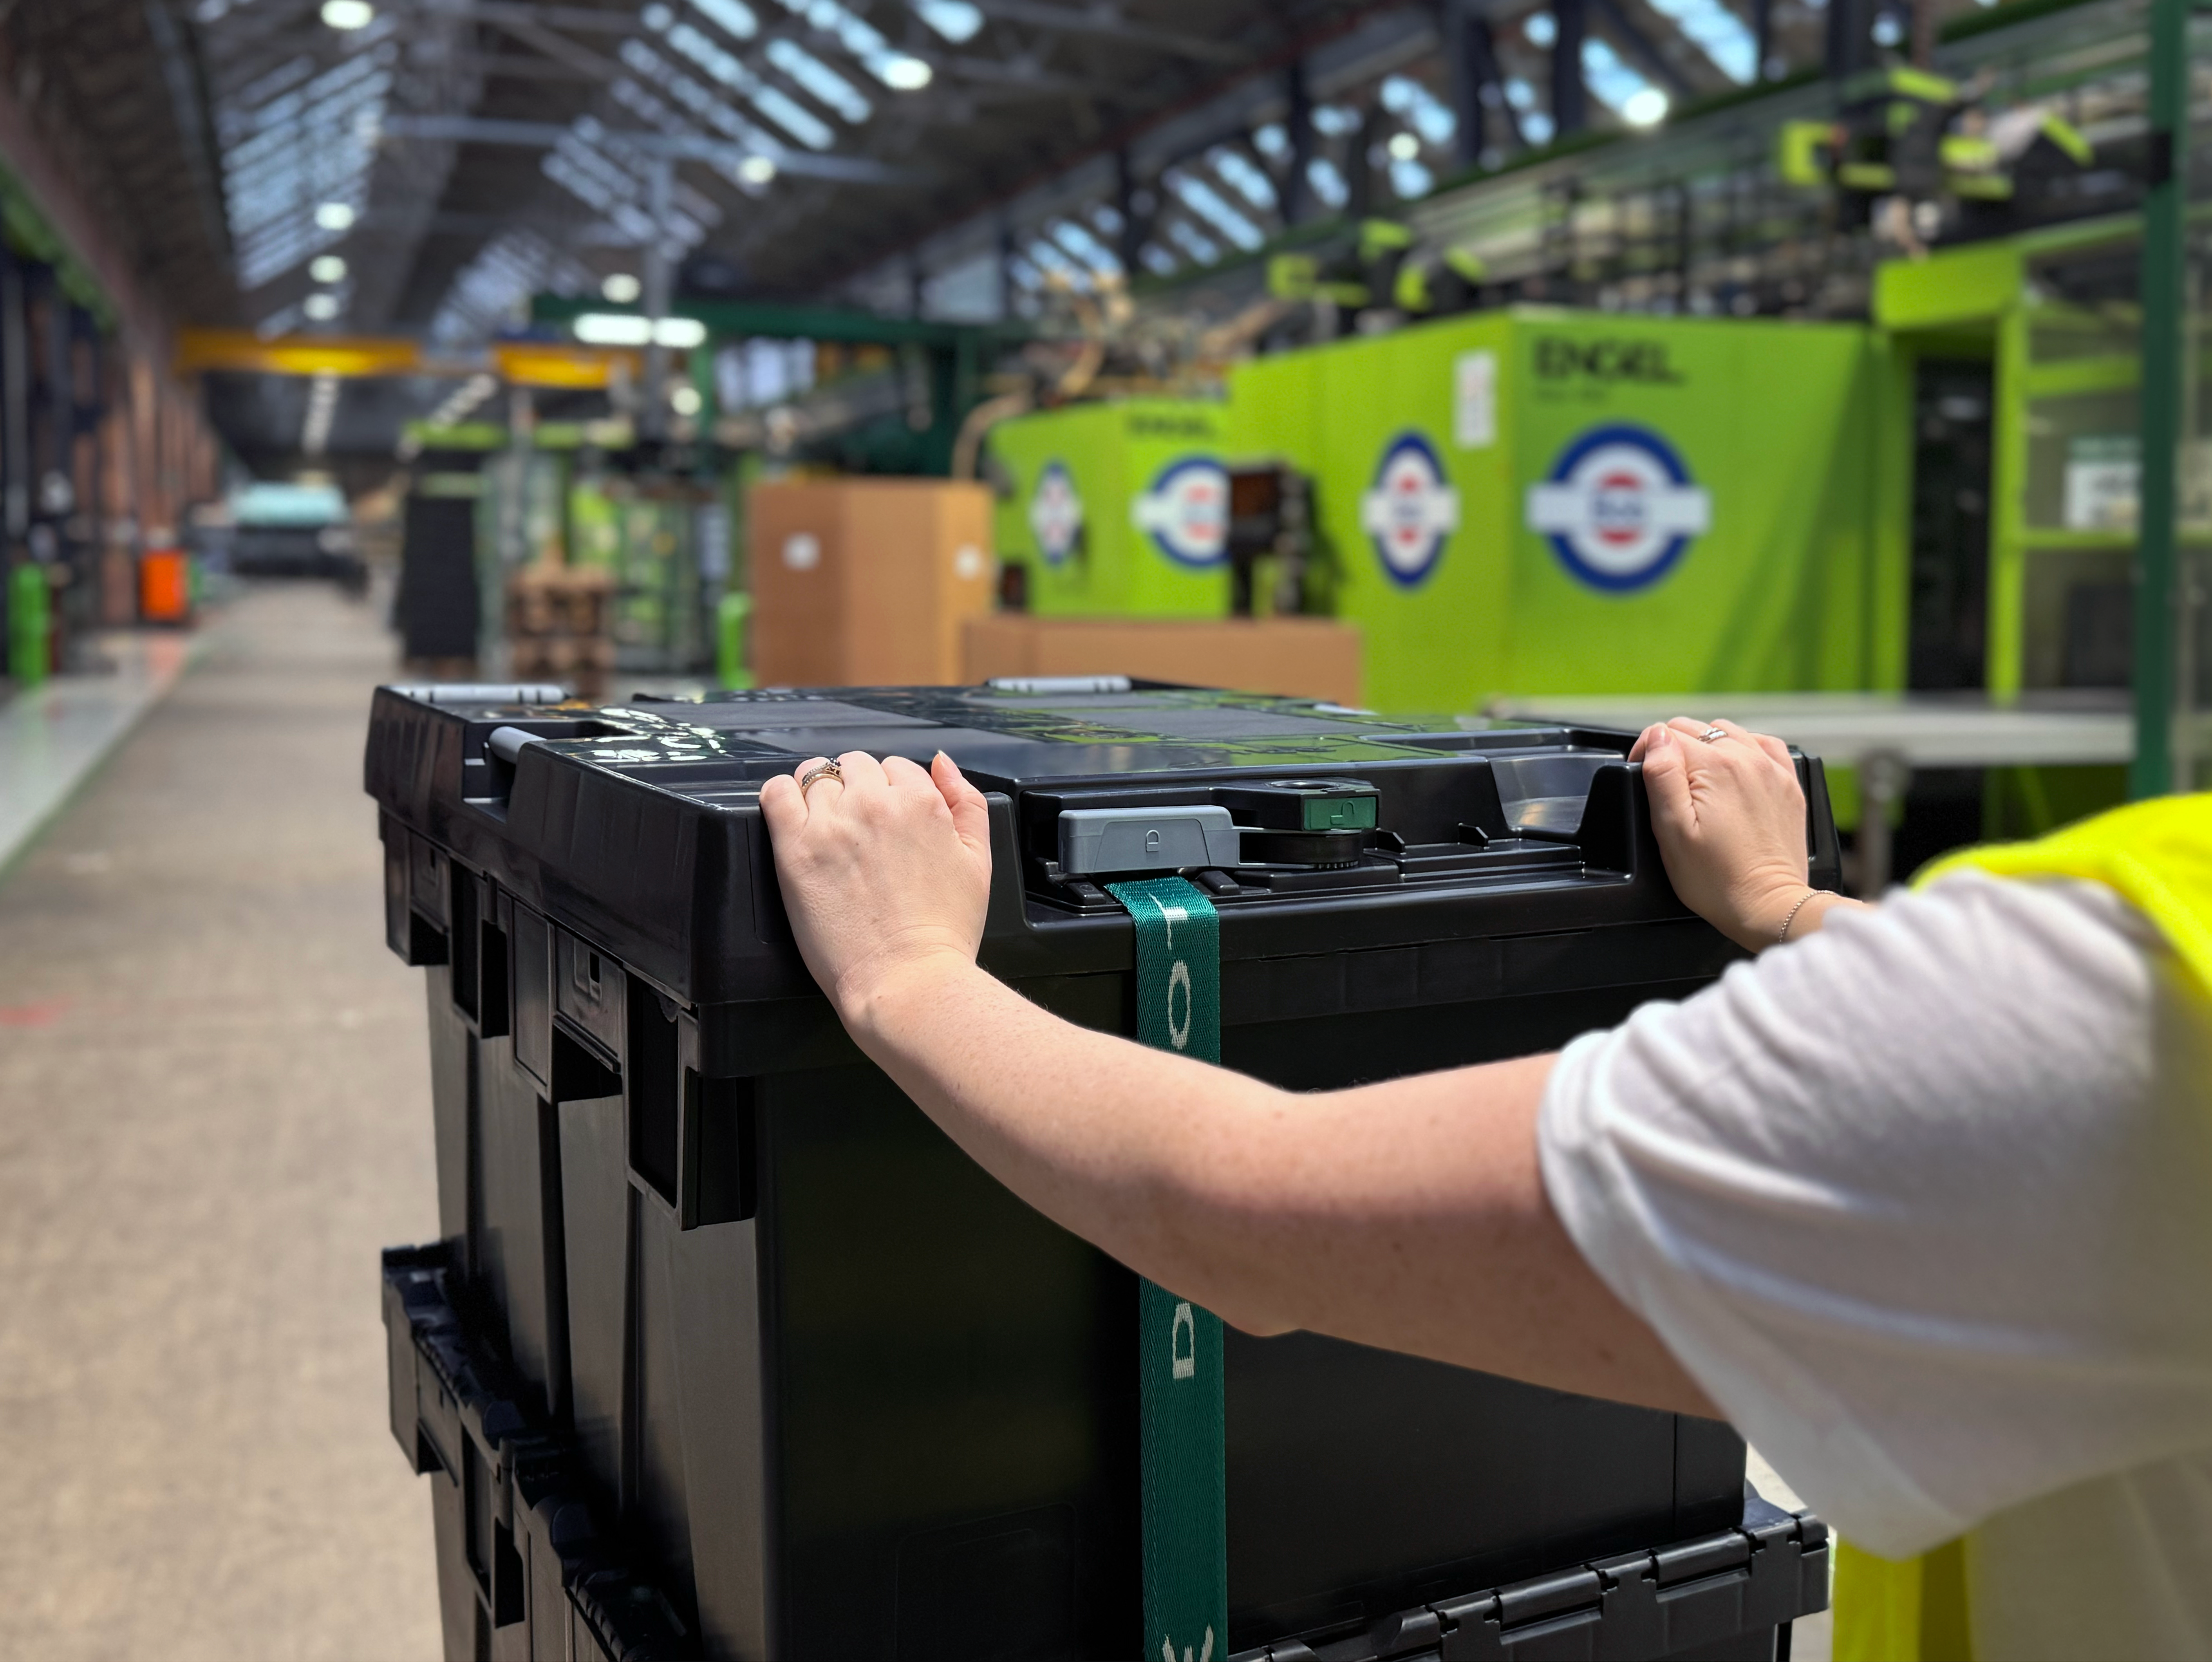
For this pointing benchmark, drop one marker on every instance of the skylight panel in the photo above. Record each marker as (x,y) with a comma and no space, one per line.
(1420,109)
(1334,120)
(1328,183)
(779,107)
(255,94)
(1192,241)
(901,71)
(1209,205)
(1410,178)
(1107,218)
(1612,82)
(493,289)
(1718,33)
(794,117)
(1047,258)
(1076,238)
(955,20)
(308,147)
(700,101)
(1159,259)
(1241,176)
(1271,141)
(732,17)
(820,79)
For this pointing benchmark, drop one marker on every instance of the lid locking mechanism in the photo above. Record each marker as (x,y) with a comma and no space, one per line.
(1095,842)
(1321,823)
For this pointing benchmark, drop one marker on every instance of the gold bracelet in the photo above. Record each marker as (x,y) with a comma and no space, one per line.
(1794,911)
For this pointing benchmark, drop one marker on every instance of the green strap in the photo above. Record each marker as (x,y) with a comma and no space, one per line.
(1186,1501)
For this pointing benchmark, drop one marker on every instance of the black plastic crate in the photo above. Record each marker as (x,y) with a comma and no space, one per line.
(835,1391)
(532,1577)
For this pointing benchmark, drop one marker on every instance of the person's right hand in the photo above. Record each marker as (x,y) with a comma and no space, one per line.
(1730,819)
(882,866)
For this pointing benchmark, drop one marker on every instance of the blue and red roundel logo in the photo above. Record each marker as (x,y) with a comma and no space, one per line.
(1056,513)
(1186,511)
(1410,512)
(1620,509)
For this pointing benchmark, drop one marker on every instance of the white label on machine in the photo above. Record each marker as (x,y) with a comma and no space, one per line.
(1474,399)
(967,562)
(802,551)
(2104,482)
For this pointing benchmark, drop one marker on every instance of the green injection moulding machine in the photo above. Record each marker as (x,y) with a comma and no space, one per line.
(1117,509)
(1538,501)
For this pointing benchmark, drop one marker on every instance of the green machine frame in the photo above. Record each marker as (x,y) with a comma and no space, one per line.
(1116,509)
(1540,501)
(2057,313)
(2067,379)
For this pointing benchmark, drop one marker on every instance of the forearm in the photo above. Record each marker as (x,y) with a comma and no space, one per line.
(1408,1215)
(1146,1153)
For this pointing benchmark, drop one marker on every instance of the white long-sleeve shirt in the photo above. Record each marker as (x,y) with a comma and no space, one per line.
(1923,1202)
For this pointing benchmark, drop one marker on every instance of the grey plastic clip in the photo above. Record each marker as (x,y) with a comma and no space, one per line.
(506,743)
(1098,840)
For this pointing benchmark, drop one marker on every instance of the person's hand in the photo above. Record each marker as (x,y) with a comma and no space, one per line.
(883,869)
(1730,819)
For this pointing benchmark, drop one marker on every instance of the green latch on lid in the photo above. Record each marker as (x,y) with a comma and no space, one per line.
(1339,813)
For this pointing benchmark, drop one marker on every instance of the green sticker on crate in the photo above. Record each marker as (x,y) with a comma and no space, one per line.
(1179,1353)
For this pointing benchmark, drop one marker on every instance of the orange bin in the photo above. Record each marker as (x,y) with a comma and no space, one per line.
(164,585)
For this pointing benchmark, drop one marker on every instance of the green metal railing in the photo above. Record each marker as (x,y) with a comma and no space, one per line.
(2161,606)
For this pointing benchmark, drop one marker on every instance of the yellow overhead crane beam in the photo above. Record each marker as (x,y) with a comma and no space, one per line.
(519,363)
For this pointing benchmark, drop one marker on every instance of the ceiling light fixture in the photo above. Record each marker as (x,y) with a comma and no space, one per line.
(327,268)
(757,170)
(335,216)
(684,399)
(349,14)
(621,288)
(1405,147)
(1647,108)
(629,329)
(903,73)
(613,329)
(321,308)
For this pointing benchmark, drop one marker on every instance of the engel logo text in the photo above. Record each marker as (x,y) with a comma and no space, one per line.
(1186,511)
(1558,359)
(1410,512)
(1056,513)
(1618,508)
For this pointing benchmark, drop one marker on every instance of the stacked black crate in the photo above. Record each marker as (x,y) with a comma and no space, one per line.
(779,1372)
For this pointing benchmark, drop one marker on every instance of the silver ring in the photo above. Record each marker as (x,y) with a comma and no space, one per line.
(827,770)
(1712,736)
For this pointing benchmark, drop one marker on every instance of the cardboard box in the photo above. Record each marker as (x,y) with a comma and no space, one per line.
(867,581)
(1294,657)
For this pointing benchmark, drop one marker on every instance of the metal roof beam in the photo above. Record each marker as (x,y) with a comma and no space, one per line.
(1062,19)
(1645,51)
(685,147)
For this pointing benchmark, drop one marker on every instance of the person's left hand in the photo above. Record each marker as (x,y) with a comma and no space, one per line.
(883,868)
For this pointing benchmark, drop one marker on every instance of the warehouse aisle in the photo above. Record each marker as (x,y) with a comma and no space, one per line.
(214,1109)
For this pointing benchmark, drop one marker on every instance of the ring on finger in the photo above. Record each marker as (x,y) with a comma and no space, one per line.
(1712,735)
(827,770)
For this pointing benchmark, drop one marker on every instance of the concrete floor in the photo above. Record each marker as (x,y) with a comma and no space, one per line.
(214,1109)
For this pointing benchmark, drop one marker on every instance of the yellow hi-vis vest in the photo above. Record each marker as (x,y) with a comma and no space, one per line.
(2158,856)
